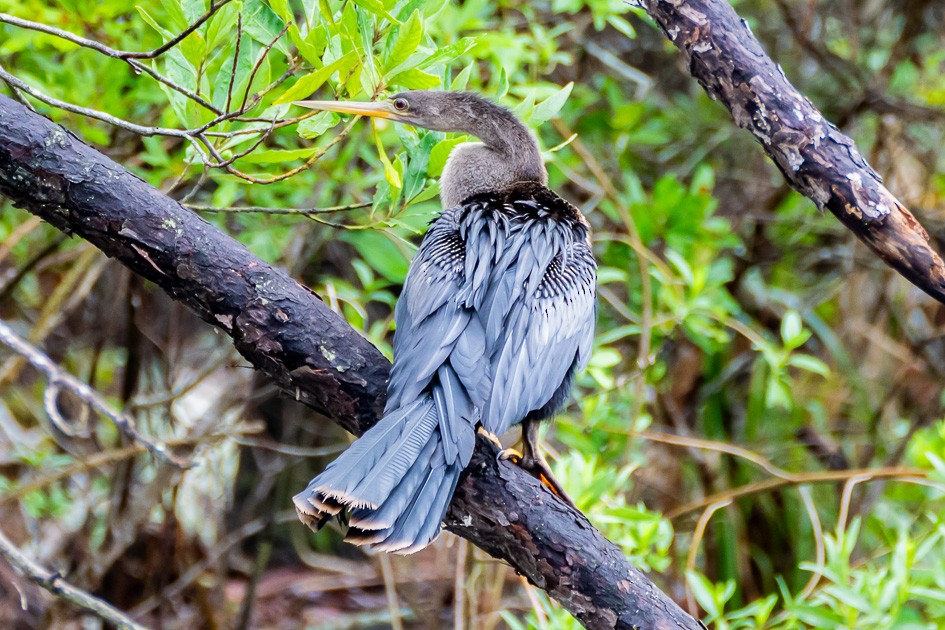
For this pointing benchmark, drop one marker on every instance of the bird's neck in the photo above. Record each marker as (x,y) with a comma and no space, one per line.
(507,154)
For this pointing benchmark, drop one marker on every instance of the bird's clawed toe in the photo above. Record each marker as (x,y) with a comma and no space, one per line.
(510,454)
(538,468)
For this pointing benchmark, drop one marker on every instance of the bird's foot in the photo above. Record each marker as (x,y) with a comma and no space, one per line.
(509,454)
(492,437)
(538,468)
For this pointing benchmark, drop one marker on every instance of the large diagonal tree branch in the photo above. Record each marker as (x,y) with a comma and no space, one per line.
(285,330)
(816,159)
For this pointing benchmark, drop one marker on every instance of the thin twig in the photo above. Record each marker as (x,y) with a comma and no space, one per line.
(694,547)
(259,61)
(390,591)
(93,113)
(821,550)
(127,57)
(192,134)
(295,171)
(163,48)
(236,57)
(55,584)
(459,586)
(290,211)
(846,499)
(915,475)
(19,232)
(58,379)
(636,242)
(721,447)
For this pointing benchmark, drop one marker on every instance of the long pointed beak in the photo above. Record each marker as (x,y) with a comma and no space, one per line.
(359,108)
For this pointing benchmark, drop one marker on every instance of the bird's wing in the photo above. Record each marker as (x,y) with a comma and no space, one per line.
(540,322)
(435,330)
(428,320)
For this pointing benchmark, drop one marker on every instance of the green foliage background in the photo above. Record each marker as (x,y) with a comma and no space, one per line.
(760,426)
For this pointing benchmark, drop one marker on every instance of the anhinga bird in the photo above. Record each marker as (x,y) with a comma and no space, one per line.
(496,316)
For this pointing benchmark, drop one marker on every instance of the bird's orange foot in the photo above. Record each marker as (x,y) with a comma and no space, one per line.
(538,468)
(509,454)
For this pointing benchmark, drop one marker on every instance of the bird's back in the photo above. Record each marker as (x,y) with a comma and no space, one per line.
(501,297)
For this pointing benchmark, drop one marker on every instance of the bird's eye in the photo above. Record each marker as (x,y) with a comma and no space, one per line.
(401,104)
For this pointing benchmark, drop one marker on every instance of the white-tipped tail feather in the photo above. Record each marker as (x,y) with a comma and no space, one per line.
(394,481)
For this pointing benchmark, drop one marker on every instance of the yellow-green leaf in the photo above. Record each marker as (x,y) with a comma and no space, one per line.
(462,79)
(390,173)
(281,7)
(270,156)
(311,82)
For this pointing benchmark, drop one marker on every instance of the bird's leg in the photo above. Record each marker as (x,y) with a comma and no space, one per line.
(532,462)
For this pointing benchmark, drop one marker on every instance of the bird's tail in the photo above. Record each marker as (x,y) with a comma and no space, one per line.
(396,481)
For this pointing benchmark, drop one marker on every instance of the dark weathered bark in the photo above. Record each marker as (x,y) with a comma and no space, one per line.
(584,571)
(816,159)
(285,330)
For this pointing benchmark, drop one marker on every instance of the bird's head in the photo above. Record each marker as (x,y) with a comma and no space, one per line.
(508,152)
(430,109)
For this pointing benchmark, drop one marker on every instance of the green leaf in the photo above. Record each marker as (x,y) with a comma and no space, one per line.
(312,45)
(175,11)
(426,194)
(937,463)
(622,25)
(193,9)
(166,34)
(849,596)
(183,73)
(462,79)
(318,124)
(408,39)
(377,8)
(380,252)
(526,108)
(502,84)
(222,25)
(549,108)
(449,53)
(704,592)
(791,326)
(440,153)
(263,25)
(777,395)
(311,82)
(809,363)
(281,8)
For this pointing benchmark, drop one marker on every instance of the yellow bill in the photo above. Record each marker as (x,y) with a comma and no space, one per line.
(381,109)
